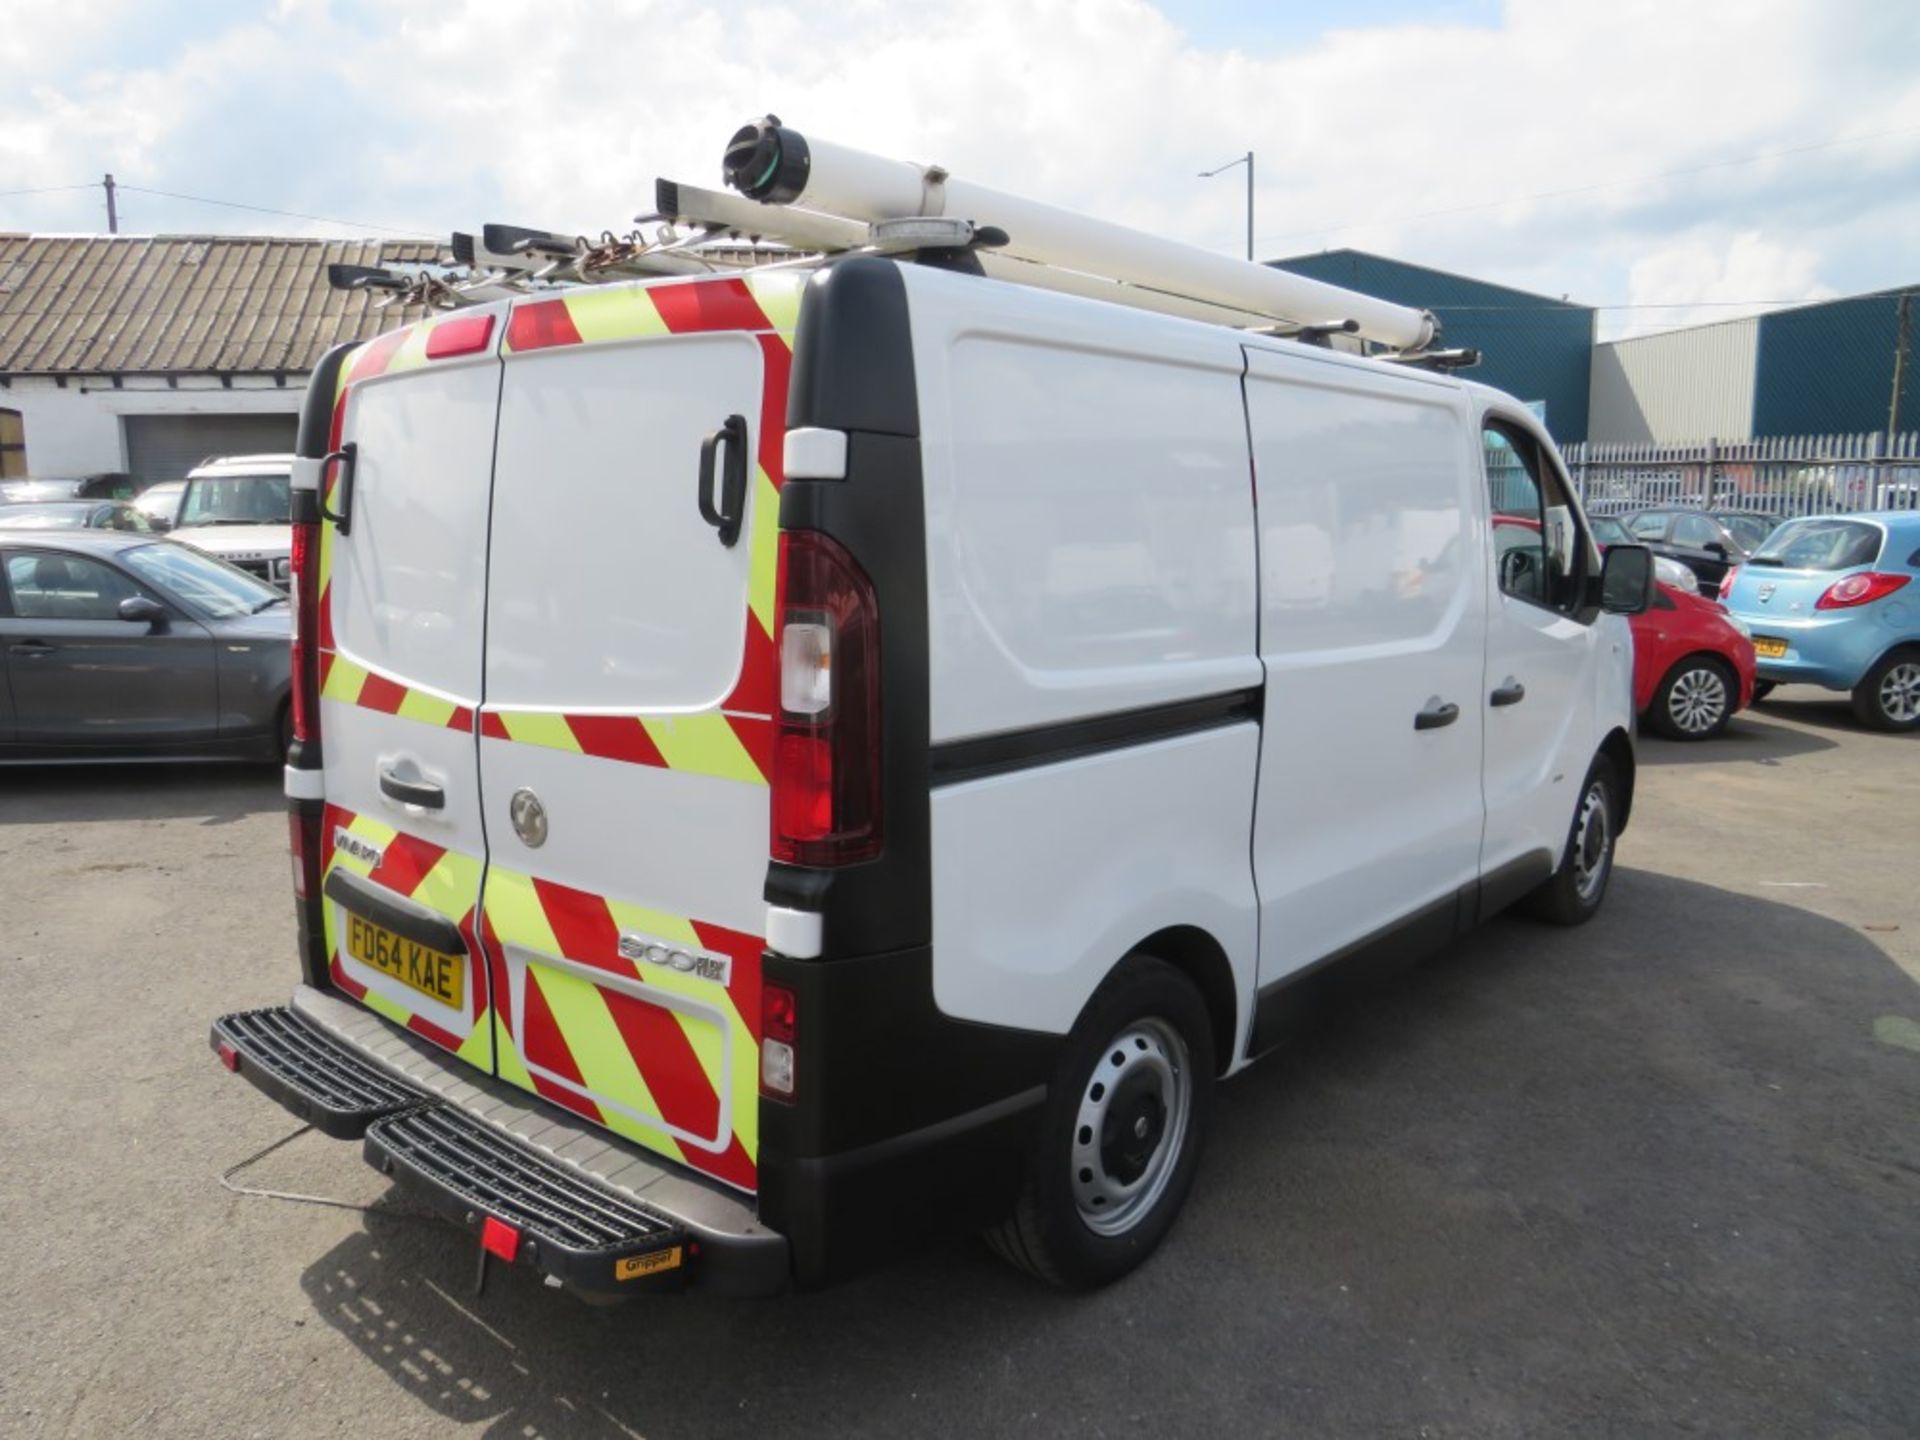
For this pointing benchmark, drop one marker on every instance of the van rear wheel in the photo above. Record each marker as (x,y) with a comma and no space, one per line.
(1121,1134)
(1572,894)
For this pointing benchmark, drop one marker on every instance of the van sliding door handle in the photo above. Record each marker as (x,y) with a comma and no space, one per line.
(423,793)
(1436,716)
(1511,693)
(733,481)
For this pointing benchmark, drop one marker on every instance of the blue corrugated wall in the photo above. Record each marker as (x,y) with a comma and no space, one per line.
(1828,369)
(1533,347)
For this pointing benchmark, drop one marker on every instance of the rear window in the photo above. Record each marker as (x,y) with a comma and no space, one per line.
(1821,545)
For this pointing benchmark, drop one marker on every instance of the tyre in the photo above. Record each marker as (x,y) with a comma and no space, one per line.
(1761,689)
(1889,697)
(1572,894)
(1120,1138)
(1695,700)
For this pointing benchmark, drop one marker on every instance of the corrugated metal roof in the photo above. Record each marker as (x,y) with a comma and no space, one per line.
(125,304)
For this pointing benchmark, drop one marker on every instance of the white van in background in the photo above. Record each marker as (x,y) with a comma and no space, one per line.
(238,508)
(970,721)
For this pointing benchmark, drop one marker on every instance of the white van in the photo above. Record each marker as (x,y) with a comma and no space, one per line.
(792,763)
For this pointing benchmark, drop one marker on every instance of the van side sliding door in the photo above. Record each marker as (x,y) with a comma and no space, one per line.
(1372,627)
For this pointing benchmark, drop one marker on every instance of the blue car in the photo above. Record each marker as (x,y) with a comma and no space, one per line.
(1831,600)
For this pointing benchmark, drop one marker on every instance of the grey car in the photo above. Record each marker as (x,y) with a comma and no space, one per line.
(119,646)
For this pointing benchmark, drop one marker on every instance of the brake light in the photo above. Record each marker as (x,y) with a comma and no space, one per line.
(826,754)
(779,1027)
(462,335)
(1726,581)
(1863,587)
(306,623)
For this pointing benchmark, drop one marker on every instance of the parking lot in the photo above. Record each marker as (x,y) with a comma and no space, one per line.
(1660,1174)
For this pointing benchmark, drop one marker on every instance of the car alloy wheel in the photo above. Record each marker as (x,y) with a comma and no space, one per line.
(1131,1125)
(1900,693)
(1697,700)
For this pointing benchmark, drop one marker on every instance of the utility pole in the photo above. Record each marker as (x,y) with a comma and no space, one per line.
(113,213)
(1246,160)
(1902,348)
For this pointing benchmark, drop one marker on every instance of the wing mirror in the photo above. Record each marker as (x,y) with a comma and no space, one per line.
(1626,580)
(141,610)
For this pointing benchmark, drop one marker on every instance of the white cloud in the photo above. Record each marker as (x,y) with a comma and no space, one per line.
(1705,280)
(1419,140)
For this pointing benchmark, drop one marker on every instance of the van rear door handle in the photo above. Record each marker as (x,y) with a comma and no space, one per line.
(732,509)
(423,793)
(31,649)
(1436,715)
(1511,693)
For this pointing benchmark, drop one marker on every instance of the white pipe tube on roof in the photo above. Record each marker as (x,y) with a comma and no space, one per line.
(774,164)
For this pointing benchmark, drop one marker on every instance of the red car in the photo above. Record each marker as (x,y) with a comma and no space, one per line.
(1692,667)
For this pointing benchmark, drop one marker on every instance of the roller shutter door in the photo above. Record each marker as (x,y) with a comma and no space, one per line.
(166,447)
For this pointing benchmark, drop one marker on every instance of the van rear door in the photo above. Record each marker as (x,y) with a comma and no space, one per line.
(403,581)
(627,724)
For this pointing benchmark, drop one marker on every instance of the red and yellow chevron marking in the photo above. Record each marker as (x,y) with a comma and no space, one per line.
(350,683)
(441,879)
(660,1056)
(727,747)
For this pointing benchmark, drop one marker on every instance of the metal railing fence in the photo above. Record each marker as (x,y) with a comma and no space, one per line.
(1780,475)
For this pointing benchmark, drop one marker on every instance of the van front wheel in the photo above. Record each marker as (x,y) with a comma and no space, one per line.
(1121,1134)
(1572,894)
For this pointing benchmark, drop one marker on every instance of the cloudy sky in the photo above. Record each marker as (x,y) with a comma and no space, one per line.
(1673,161)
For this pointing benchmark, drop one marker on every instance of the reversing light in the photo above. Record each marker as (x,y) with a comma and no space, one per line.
(1863,587)
(779,1028)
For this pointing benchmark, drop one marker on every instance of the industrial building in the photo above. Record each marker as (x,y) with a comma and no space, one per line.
(1820,369)
(1534,347)
(146,354)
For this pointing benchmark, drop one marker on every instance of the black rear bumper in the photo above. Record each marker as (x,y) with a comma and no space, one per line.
(629,1225)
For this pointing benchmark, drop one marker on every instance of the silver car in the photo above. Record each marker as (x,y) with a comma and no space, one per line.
(119,646)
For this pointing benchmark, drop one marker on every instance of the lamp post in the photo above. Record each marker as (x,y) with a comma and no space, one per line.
(1246,160)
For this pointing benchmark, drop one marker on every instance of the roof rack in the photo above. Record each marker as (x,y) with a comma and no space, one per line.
(801,200)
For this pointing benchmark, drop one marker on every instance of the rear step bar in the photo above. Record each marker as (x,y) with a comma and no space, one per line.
(588,1232)
(309,1072)
(526,1209)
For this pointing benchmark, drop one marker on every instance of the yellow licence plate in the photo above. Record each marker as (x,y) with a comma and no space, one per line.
(435,974)
(1768,646)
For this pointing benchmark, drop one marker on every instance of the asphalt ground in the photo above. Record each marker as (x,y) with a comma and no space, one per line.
(1660,1175)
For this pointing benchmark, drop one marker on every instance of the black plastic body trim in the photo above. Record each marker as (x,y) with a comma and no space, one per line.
(1282,1006)
(956,761)
(404,917)
(909,1123)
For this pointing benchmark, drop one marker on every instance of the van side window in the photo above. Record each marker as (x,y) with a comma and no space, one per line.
(1537,544)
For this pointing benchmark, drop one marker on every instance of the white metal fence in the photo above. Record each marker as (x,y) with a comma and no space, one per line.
(1784,475)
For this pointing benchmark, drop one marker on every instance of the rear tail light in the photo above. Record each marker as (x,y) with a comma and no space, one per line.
(1863,587)
(826,753)
(306,624)
(779,1029)
(1726,581)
